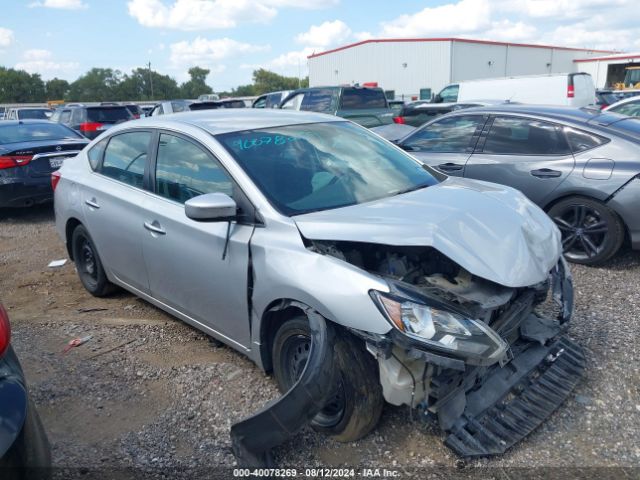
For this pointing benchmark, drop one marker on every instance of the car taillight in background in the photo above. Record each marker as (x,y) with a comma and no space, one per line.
(55,179)
(90,126)
(10,161)
(571,92)
(5,331)
(399,120)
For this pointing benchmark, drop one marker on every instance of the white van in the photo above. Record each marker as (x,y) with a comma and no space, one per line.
(571,89)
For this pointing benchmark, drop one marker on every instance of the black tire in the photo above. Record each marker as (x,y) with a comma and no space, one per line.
(88,264)
(357,405)
(591,232)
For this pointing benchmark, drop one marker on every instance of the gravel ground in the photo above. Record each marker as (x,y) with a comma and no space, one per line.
(149,392)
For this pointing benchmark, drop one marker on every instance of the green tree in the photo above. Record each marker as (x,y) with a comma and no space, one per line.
(20,87)
(266,81)
(197,85)
(56,88)
(97,85)
(138,86)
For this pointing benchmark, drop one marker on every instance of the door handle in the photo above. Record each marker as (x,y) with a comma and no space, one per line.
(546,173)
(93,203)
(450,167)
(154,227)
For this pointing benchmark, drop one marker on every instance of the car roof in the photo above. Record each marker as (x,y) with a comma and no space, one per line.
(27,121)
(634,99)
(558,113)
(31,108)
(237,119)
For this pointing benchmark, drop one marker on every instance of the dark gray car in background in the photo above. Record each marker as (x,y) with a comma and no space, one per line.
(581,166)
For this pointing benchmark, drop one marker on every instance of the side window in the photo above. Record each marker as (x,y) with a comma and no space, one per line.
(157,110)
(524,136)
(76,116)
(55,116)
(185,170)
(125,157)
(450,93)
(65,116)
(179,107)
(260,103)
(581,141)
(294,102)
(449,135)
(95,153)
(632,109)
(317,101)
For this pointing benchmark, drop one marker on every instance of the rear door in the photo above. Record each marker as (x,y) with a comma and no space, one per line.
(446,144)
(114,203)
(525,153)
(191,267)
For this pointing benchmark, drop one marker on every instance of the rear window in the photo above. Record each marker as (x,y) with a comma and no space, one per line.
(629,127)
(37,114)
(35,132)
(581,141)
(108,114)
(317,100)
(363,98)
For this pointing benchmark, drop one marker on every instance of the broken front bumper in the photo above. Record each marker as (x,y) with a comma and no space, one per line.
(485,410)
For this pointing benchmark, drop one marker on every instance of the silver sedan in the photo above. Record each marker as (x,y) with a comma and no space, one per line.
(266,228)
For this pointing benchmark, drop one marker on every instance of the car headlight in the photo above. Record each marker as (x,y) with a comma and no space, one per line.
(443,330)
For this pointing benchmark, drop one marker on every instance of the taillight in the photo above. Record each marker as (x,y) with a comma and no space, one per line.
(399,120)
(5,331)
(570,91)
(55,179)
(90,126)
(10,161)
(136,116)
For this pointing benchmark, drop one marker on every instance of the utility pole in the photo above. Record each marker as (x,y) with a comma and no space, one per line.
(151,81)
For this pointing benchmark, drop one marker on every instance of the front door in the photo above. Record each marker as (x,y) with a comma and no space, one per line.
(524,153)
(198,268)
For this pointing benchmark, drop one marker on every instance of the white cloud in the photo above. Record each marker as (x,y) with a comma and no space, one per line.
(506,30)
(208,53)
(290,61)
(42,62)
(212,14)
(466,16)
(325,34)
(361,36)
(562,8)
(61,4)
(6,37)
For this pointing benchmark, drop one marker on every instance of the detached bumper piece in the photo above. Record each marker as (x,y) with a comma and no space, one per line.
(515,399)
(253,438)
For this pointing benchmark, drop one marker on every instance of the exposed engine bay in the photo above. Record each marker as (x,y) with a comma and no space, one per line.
(483,407)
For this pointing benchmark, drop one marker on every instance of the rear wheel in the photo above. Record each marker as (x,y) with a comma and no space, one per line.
(88,264)
(356,404)
(591,232)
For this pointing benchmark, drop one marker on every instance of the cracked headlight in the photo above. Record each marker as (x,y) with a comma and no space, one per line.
(443,330)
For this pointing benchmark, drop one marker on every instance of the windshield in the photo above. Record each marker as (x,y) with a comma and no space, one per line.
(34,132)
(320,166)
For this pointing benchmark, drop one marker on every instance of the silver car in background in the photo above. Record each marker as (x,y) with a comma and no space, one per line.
(265,229)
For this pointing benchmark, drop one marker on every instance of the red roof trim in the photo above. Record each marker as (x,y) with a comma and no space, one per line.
(595,59)
(451,39)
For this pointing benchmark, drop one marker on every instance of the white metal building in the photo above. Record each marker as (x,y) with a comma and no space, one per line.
(417,67)
(608,70)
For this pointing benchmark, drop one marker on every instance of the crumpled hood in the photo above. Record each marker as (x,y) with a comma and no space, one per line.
(492,231)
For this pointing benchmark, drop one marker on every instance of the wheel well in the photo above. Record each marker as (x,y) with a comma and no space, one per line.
(275,315)
(71,225)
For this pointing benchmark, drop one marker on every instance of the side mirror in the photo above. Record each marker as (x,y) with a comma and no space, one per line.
(212,207)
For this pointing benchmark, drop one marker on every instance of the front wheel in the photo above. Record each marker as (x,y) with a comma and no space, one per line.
(88,264)
(356,405)
(591,232)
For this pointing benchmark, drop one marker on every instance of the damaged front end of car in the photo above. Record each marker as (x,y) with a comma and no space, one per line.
(490,362)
